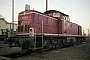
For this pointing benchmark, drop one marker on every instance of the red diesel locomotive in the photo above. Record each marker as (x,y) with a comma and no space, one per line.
(51,29)
(54,22)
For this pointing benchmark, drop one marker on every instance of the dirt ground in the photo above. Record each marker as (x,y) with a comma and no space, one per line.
(80,52)
(76,52)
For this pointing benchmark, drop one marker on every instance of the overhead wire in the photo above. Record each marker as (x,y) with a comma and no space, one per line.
(10,5)
(53,2)
(9,10)
(72,8)
(68,10)
(5,4)
(58,4)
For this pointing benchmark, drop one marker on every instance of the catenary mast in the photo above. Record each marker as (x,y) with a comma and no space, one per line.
(46,5)
(13,15)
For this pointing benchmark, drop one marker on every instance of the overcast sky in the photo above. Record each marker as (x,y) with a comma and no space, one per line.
(78,10)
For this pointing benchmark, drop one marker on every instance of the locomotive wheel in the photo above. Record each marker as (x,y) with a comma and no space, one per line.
(61,45)
(25,45)
(23,51)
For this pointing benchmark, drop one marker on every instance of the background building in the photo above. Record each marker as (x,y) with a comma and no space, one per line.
(6,25)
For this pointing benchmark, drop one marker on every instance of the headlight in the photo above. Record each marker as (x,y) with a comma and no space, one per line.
(45,42)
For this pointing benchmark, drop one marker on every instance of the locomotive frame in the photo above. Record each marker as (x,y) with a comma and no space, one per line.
(41,39)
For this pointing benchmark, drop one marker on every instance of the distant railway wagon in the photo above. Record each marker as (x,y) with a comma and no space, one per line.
(5,28)
(51,29)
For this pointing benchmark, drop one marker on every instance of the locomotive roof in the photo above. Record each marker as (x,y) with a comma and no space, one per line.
(35,11)
(55,11)
(46,12)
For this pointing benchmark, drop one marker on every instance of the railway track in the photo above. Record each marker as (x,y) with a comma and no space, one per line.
(26,53)
(16,55)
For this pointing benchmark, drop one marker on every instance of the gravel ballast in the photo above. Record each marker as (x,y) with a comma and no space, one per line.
(77,52)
